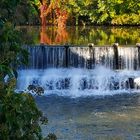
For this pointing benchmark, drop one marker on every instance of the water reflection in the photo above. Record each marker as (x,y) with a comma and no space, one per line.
(61,36)
(80,35)
(56,36)
(44,38)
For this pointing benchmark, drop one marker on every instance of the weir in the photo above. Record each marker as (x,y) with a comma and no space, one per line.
(113,57)
(82,71)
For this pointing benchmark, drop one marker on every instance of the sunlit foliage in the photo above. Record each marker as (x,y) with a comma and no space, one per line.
(101,11)
(116,12)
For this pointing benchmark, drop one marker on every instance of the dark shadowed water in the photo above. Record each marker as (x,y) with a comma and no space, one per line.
(92,118)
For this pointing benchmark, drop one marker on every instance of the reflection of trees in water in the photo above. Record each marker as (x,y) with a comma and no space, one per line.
(61,36)
(106,35)
(80,35)
(54,36)
(126,35)
(30,34)
(44,38)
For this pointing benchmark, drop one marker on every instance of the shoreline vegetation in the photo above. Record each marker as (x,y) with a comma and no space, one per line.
(50,23)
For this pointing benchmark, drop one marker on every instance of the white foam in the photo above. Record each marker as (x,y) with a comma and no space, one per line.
(78,82)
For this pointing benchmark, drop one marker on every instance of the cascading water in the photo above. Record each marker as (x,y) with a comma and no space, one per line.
(75,82)
(128,58)
(82,56)
(89,71)
(46,57)
(104,56)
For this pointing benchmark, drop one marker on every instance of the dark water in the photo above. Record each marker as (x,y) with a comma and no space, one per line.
(92,118)
(99,35)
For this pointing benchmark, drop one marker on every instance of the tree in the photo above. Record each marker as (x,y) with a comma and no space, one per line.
(19,115)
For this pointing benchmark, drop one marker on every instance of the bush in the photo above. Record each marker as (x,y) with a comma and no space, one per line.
(20,119)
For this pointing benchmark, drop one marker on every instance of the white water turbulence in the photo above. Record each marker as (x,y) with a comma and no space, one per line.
(82,71)
(77,82)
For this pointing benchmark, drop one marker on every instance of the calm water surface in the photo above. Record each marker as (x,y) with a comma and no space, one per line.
(92,118)
(99,35)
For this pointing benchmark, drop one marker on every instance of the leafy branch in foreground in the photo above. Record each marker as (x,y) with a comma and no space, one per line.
(20,119)
(11,53)
(19,115)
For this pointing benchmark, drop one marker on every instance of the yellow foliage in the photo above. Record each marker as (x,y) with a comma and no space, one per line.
(126,19)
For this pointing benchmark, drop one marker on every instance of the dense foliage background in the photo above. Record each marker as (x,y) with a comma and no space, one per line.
(83,12)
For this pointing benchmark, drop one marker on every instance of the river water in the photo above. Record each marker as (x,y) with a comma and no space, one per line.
(99,35)
(100,102)
(92,118)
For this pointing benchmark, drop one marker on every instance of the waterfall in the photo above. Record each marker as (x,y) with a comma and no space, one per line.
(128,58)
(84,56)
(79,56)
(104,56)
(82,71)
(99,81)
(41,57)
